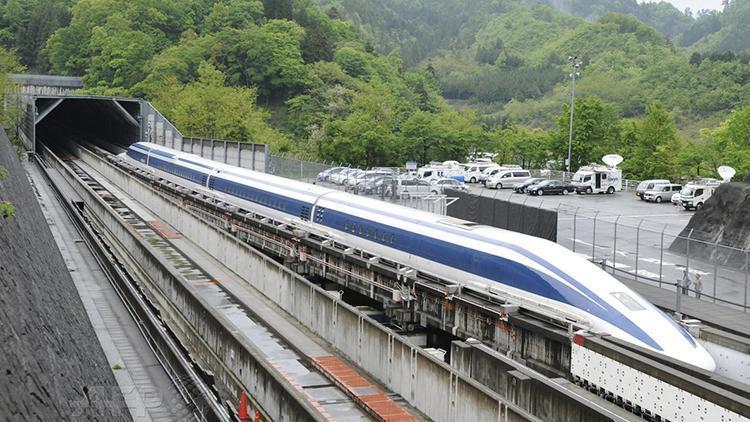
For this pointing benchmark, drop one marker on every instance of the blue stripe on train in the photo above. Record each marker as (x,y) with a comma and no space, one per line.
(275,201)
(492,267)
(179,171)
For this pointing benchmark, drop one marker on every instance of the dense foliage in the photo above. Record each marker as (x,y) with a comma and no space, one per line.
(381,82)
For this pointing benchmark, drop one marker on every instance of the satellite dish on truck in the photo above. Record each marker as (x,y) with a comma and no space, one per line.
(726,173)
(612,160)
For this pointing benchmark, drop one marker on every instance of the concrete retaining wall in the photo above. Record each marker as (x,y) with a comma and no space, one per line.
(544,398)
(431,386)
(44,328)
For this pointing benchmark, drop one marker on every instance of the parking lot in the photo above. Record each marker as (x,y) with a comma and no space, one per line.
(622,204)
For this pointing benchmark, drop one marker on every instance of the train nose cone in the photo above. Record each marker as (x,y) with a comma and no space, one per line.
(700,358)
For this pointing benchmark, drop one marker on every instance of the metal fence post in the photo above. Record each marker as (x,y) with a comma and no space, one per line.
(744,309)
(687,253)
(575,219)
(637,246)
(678,299)
(661,255)
(593,238)
(716,269)
(614,246)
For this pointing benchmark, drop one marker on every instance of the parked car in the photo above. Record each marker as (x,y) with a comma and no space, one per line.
(487,173)
(340,177)
(662,192)
(376,184)
(410,186)
(508,178)
(474,171)
(521,187)
(676,199)
(548,187)
(363,176)
(325,175)
(695,194)
(440,185)
(352,178)
(649,185)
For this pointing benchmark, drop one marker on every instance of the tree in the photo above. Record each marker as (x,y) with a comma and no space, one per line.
(208,108)
(596,131)
(655,149)
(27,24)
(367,136)
(235,14)
(268,57)
(278,9)
(731,141)
(119,55)
(6,207)
(163,21)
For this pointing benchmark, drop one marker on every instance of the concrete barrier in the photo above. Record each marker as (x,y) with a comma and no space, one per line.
(211,339)
(439,391)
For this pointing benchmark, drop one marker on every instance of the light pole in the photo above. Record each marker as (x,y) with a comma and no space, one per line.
(574,64)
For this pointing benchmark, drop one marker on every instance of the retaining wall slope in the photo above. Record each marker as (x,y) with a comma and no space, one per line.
(52,366)
(724,220)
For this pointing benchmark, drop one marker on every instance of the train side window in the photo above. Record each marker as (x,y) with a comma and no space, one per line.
(393,239)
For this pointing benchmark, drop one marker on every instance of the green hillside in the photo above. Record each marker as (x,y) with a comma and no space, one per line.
(374,83)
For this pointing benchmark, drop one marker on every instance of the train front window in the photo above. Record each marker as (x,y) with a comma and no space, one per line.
(628,301)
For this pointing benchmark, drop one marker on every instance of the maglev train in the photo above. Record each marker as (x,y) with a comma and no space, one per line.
(525,270)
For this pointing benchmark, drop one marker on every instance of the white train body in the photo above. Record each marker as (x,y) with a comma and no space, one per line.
(525,270)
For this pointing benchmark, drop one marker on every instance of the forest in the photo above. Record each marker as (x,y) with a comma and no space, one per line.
(381,82)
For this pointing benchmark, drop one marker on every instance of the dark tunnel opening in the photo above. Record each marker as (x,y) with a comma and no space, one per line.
(105,122)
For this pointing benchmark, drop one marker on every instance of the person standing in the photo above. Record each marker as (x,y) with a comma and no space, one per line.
(698,285)
(686,281)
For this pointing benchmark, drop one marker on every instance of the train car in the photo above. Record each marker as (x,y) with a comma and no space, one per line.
(532,272)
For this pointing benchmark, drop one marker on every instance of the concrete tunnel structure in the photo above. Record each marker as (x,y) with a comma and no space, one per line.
(53,114)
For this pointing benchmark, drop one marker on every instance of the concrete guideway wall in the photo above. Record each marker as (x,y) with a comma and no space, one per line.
(653,387)
(211,339)
(431,386)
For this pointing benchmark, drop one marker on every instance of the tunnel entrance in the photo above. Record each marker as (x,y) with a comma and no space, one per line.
(110,123)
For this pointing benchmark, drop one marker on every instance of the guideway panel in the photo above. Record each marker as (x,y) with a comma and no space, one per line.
(333,400)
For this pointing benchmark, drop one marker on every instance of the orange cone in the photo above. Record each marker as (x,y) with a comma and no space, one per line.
(244,416)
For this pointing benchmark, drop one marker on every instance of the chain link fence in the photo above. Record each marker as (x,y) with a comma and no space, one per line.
(307,171)
(659,255)
(295,168)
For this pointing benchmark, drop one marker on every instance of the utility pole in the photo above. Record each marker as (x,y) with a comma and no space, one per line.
(574,64)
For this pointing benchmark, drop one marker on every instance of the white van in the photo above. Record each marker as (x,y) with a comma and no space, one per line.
(649,185)
(694,195)
(508,178)
(474,171)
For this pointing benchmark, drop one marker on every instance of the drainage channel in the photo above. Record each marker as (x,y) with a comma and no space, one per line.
(324,394)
